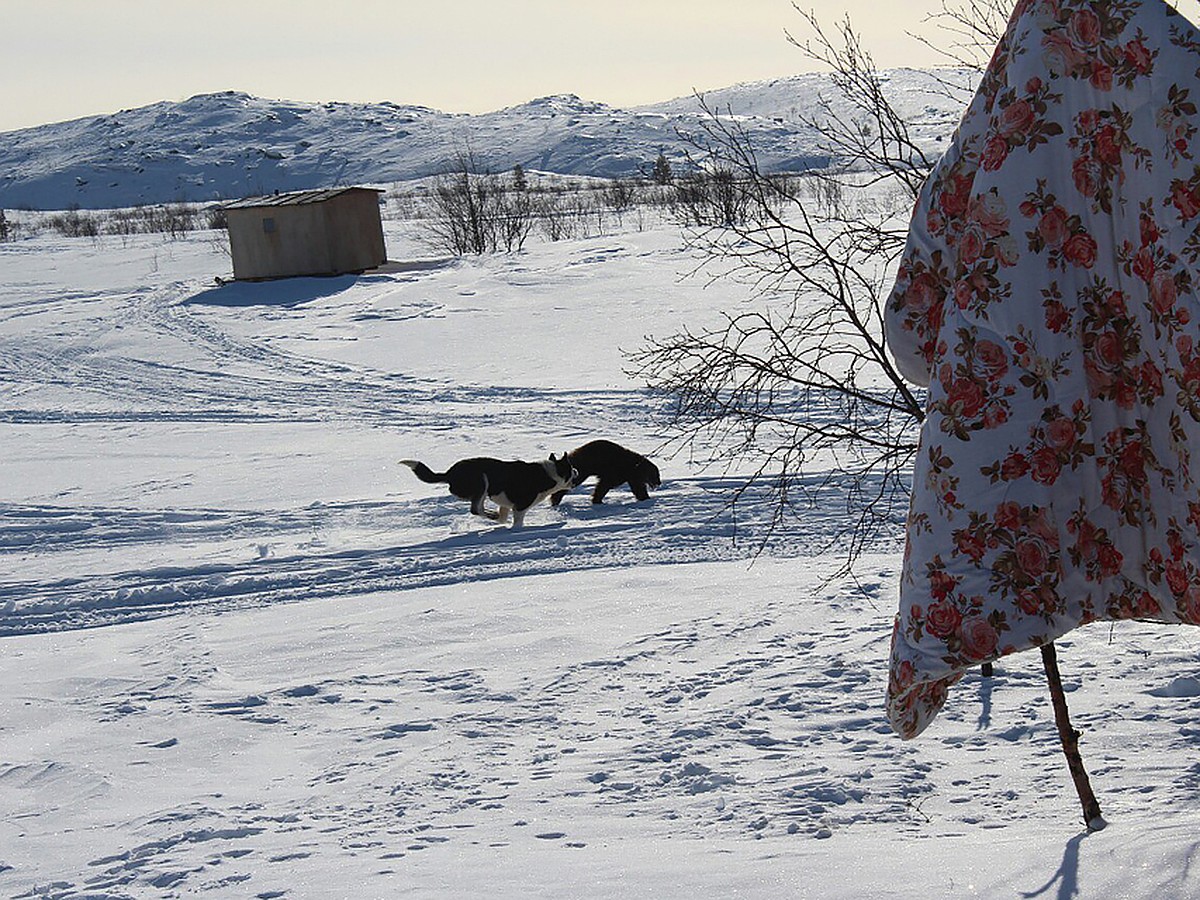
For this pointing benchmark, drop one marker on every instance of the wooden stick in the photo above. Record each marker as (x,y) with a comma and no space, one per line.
(1070,741)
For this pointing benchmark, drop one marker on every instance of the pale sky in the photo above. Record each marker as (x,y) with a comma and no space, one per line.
(63,59)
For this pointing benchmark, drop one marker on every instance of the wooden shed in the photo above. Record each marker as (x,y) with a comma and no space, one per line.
(328,232)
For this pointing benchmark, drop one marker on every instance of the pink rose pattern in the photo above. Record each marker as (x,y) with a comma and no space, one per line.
(1047,298)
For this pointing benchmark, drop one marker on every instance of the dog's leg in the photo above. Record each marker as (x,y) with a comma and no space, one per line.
(479,502)
(602,488)
(518,518)
(502,514)
(480,509)
(639,490)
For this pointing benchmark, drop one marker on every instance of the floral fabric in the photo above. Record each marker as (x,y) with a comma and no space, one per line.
(1047,298)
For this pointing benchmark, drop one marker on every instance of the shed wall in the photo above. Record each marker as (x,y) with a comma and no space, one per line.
(355,232)
(341,234)
(273,242)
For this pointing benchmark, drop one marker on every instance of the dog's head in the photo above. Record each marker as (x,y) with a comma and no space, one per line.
(561,469)
(650,474)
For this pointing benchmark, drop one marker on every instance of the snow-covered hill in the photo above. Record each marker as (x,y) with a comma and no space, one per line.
(227,145)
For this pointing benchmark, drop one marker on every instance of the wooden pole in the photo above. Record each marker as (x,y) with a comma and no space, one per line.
(1070,741)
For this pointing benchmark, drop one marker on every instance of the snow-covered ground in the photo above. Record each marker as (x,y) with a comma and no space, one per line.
(246,654)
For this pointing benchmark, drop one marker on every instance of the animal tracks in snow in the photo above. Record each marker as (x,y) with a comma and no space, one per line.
(310,692)
(330,550)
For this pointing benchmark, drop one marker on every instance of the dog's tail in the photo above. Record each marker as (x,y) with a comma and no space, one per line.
(425,473)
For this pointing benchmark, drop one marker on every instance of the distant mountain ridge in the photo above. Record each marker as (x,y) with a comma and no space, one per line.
(231,144)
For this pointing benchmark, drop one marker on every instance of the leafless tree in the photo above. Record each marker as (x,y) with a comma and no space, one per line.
(797,382)
(516,212)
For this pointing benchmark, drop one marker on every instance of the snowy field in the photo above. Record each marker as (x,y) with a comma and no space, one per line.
(246,654)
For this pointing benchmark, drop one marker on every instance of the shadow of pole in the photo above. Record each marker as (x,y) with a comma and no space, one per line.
(1067,876)
(986,682)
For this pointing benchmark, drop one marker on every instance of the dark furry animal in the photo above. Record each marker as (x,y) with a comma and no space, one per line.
(612,465)
(513,485)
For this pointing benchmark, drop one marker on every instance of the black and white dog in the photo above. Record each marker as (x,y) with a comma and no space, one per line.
(612,465)
(511,485)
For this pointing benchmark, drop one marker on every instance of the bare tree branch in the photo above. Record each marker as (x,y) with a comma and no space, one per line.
(970,30)
(798,391)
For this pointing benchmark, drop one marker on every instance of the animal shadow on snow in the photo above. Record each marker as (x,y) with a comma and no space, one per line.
(698,504)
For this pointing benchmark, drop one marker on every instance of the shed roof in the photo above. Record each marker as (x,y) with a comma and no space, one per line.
(294,198)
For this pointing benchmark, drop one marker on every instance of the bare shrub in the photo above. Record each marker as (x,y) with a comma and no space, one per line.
(717,198)
(74,224)
(553,220)
(476,213)
(620,194)
(215,218)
